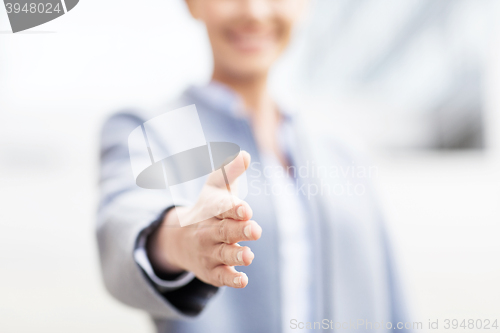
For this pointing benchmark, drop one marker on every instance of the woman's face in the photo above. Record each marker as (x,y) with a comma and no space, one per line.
(247,36)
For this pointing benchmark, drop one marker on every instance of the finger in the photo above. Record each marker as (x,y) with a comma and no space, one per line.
(237,166)
(227,276)
(233,208)
(215,202)
(232,255)
(230,231)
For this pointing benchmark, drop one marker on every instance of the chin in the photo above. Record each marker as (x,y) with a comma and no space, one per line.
(250,69)
(253,64)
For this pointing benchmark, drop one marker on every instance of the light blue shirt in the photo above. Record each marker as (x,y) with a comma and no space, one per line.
(294,247)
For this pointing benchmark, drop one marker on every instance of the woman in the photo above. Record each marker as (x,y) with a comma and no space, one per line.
(318,256)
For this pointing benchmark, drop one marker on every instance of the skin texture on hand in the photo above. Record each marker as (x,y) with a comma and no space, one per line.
(209,248)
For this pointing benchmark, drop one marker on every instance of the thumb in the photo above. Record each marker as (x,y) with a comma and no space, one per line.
(231,171)
(237,167)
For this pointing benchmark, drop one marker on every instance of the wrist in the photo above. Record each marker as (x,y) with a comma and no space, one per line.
(161,246)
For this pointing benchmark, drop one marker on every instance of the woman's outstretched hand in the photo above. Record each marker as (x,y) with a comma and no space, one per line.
(209,248)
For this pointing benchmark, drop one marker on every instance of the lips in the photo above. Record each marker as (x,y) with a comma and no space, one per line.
(251,41)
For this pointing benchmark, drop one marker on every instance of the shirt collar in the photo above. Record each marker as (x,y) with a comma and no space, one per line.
(218,96)
(222,98)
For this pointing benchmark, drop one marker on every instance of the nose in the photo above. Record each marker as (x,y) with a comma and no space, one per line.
(257,9)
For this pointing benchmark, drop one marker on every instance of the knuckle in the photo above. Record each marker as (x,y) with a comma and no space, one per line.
(223,231)
(220,252)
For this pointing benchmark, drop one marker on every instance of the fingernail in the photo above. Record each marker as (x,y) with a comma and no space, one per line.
(259,230)
(240,212)
(248,231)
(244,279)
(240,256)
(237,280)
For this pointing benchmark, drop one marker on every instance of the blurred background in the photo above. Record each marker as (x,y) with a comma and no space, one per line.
(418,81)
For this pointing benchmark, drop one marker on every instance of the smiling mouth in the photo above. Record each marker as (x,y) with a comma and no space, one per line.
(251,41)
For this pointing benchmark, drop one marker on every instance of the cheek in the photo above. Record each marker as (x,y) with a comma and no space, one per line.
(284,28)
(216,16)
(285,31)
